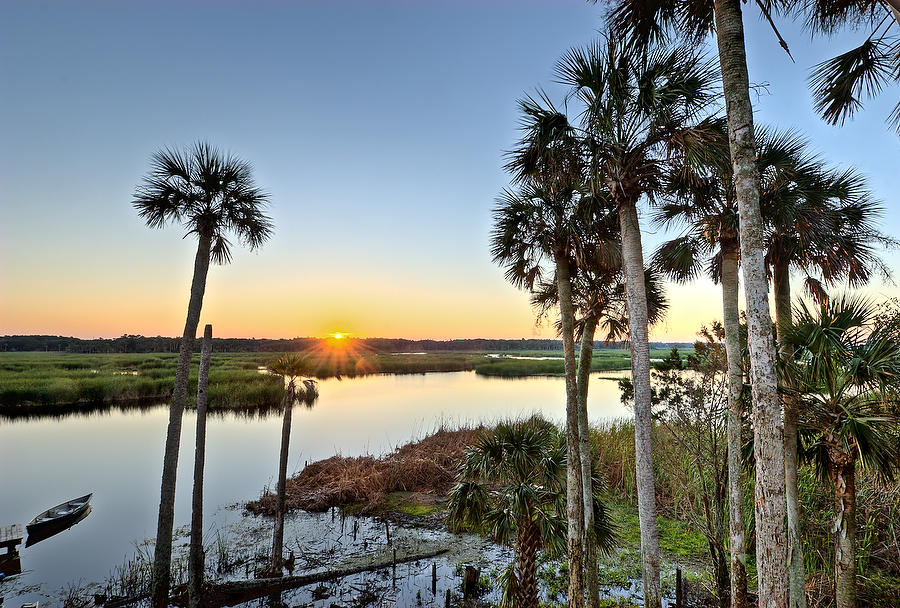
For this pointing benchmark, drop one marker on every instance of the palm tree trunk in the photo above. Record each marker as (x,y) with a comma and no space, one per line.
(845,536)
(278,537)
(636,296)
(162,558)
(526,565)
(768,442)
(737,525)
(781,283)
(196,559)
(781,280)
(574,500)
(584,440)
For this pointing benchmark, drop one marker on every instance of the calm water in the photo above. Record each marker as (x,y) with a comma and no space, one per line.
(117,455)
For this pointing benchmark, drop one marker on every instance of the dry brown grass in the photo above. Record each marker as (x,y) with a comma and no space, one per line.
(427,466)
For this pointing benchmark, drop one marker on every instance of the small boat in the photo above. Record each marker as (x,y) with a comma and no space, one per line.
(59,515)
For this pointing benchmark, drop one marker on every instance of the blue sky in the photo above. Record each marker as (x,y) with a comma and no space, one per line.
(377,127)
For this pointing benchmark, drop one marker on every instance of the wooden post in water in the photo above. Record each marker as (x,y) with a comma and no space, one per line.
(355,528)
(196,559)
(387,529)
(433,578)
(471,574)
(447,599)
(679,599)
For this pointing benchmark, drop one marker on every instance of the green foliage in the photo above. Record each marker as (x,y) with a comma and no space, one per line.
(210,193)
(31,380)
(71,380)
(845,374)
(513,476)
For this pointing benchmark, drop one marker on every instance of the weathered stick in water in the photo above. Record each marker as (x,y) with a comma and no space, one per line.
(235,592)
(196,558)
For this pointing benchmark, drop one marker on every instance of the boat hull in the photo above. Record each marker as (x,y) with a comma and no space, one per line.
(60,517)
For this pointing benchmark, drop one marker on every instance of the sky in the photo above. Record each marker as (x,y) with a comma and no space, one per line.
(377,127)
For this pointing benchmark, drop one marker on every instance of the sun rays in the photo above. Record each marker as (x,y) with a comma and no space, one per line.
(344,354)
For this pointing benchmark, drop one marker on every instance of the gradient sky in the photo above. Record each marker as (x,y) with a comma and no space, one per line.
(377,127)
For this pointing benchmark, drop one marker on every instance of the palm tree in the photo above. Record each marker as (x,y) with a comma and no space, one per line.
(641,23)
(196,558)
(536,224)
(512,483)
(599,297)
(821,225)
(846,375)
(291,367)
(703,199)
(210,195)
(818,220)
(637,108)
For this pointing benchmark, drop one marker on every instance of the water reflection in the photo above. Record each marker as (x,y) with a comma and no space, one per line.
(117,451)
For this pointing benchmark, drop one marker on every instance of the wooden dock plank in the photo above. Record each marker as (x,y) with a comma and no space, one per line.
(10,536)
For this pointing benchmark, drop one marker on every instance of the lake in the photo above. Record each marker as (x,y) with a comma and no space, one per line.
(117,455)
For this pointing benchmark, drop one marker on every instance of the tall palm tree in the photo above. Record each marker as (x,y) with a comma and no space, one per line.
(211,195)
(512,483)
(637,106)
(196,558)
(537,225)
(599,297)
(823,226)
(704,201)
(641,23)
(818,220)
(846,374)
(291,367)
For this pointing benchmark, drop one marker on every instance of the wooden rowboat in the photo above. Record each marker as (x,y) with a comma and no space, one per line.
(59,515)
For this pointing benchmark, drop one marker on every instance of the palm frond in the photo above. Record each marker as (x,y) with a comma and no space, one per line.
(841,83)
(210,193)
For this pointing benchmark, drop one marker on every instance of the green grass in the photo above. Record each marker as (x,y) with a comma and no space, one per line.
(410,503)
(676,537)
(68,381)
(511,368)
(31,380)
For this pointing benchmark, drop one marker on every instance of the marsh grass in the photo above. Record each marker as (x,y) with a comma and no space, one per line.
(604,360)
(426,466)
(74,381)
(511,368)
(29,380)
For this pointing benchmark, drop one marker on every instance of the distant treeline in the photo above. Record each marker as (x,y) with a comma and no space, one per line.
(160,344)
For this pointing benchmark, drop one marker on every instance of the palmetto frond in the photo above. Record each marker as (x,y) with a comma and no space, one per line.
(844,373)
(210,193)
(513,476)
(681,259)
(599,295)
(606,532)
(640,108)
(643,22)
(549,150)
(820,219)
(544,216)
(292,366)
(841,84)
